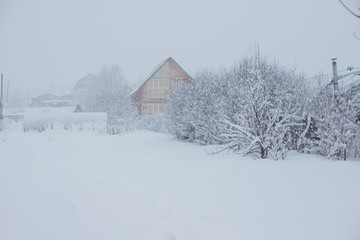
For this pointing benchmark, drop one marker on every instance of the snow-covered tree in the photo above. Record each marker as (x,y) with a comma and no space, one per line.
(255,108)
(267,109)
(110,94)
(194,109)
(336,133)
(262,109)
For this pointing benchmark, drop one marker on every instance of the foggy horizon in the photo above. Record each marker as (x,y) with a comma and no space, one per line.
(47,46)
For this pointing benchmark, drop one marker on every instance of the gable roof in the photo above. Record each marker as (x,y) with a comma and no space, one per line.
(45,97)
(346,83)
(351,85)
(157,68)
(85,82)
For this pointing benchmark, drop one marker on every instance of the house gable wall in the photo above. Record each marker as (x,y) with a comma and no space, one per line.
(170,71)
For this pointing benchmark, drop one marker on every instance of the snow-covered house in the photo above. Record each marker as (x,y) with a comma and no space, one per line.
(152,95)
(51,100)
(349,85)
(84,85)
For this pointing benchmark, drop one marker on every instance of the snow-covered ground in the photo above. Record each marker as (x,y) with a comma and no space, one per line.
(82,185)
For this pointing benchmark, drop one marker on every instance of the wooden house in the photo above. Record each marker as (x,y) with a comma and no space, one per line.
(153,93)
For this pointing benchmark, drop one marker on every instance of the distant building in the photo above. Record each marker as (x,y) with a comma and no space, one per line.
(51,100)
(84,85)
(350,87)
(152,95)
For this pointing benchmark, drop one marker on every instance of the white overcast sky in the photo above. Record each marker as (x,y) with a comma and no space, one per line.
(46,46)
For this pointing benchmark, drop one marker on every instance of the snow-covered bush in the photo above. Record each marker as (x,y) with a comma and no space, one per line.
(193,112)
(266,116)
(154,123)
(65,121)
(110,94)
(336,131)
(255,108)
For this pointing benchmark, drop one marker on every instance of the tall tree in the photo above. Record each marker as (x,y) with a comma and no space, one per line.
(110,94)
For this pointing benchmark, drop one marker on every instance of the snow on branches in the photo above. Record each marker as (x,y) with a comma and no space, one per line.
(336,131)
(255,108)
(110,94)
(268,109)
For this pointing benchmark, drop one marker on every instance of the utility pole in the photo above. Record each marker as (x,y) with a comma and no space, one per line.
(335,77)
(7,91)
(1,98)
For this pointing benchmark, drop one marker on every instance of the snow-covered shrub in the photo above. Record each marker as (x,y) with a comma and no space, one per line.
(266,111)
(124,118)
(65,121)
(255,108)
(110,94)
(337,133)
(154,123)
(193,111)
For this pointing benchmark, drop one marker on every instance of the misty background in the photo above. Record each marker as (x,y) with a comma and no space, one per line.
(46,46)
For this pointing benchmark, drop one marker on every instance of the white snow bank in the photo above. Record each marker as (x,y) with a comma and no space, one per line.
(80,185)
(45,120)
(32,110)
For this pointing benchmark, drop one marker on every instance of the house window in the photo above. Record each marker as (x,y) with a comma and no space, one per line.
(153,108)
(158,88)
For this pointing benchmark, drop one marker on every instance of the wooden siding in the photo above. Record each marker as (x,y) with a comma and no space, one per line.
(170,71)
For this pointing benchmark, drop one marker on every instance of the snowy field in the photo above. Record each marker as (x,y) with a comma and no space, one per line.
(84,186)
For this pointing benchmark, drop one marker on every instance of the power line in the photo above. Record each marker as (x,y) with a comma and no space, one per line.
(327,74)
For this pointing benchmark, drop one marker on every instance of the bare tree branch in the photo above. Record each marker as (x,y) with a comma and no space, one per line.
(358,38)
(347,117)
(356,15)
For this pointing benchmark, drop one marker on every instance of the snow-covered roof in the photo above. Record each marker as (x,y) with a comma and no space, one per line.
(347,83)
(85,82)
(47,96)
(150,75)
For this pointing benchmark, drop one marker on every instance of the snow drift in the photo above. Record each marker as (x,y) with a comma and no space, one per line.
(40,121)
